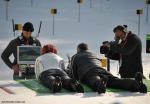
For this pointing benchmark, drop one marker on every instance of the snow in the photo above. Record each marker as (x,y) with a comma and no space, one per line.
(88,98)
(96,26)
(24,95)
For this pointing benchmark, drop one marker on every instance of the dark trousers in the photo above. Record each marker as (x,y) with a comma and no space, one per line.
(47,77)
(113,82)
(125,74)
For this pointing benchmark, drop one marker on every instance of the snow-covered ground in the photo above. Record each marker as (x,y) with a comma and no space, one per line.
(26,96)
(95,26)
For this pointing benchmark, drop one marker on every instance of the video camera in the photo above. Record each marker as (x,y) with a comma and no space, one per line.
(104,49)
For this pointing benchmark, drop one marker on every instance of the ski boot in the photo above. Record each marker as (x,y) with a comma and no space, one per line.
(57,85)
(141,85)
(100,85)
(76,86)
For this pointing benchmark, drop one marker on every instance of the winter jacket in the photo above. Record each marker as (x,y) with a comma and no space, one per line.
(11,49)
(48,61)
(128,52)
(84,62)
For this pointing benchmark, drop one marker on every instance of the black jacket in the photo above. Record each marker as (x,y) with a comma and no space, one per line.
(84,62)
(12,49)
(128,52)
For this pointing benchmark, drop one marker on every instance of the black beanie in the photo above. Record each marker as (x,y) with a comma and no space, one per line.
(28,26)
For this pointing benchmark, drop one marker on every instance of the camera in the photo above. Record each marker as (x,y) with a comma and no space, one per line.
(104,49)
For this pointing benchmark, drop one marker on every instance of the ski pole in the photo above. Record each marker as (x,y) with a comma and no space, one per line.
(39,29)
(13,26)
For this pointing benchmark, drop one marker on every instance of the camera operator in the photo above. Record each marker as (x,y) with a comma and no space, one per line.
(24,39)
(127,49)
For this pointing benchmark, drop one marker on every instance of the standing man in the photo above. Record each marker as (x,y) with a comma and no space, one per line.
(85,67)
(24,39)
(127,49)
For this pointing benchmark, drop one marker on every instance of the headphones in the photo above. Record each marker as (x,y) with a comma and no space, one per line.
(125,28)
(121,27)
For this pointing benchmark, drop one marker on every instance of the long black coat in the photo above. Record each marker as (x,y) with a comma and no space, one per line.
(128,52)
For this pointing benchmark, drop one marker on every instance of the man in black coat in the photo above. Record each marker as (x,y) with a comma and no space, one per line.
(85,67)
(24,39)
(127,49)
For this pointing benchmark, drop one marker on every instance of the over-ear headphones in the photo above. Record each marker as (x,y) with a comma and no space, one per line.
(121,27)
(125,28)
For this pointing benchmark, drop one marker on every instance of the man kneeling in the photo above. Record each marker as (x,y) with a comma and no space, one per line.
(49,69)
